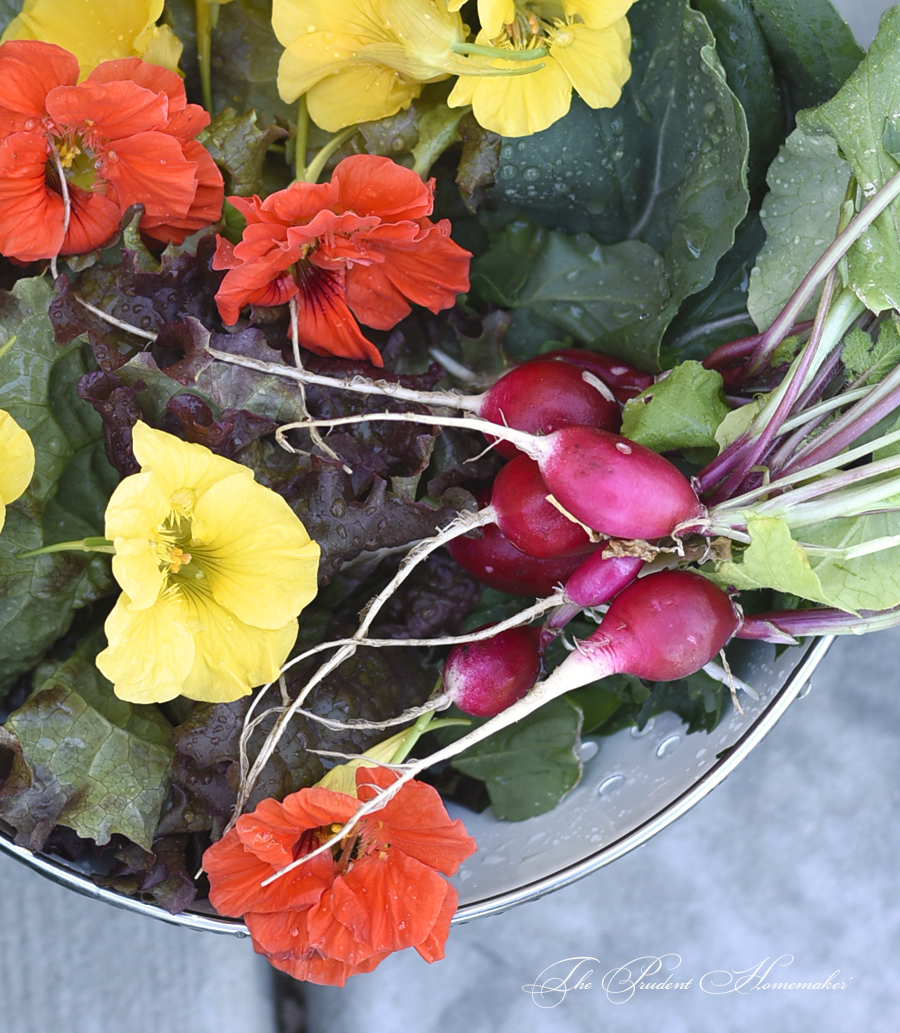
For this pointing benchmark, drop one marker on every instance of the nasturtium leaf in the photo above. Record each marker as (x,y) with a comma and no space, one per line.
(807,184)
(682,410)
(857,118)
(666,166)
(102,766)
(67,496)
(811,47)
(530,766)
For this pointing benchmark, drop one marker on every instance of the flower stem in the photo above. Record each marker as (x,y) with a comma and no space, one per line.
(83,545)
(315,167)
(425,723)
(202,21)
(301,138)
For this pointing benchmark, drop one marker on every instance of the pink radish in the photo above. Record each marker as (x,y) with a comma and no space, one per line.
(661,627)
(532,523)
(543,395)
(482,678)
(614,485)
(623,380)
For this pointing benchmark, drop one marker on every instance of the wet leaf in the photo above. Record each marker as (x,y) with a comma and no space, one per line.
(101,766)
(67,497)
(529,767)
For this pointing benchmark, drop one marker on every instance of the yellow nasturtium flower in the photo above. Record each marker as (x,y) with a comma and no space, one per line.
(583,44)
(358,60)
(214,569)
(99,30)
(16,462)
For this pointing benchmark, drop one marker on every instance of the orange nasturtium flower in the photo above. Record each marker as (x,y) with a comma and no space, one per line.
(16,462)
(124,136)
(379,890)
(360,246)
(214,570)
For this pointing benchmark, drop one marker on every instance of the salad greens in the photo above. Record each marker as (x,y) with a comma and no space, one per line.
(670,231)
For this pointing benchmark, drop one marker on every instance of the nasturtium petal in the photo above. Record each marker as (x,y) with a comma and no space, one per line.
(99,30)
(178,464)
(515,105)
(254,537)
(493,15)
(377,92)
(599,14)
(231,657)
(16,460)
(596,62)
(150,651)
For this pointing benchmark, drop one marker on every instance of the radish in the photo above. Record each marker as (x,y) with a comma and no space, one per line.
(614,485)
(610,484)
(661,627)
(543,395)
(496,562)
(482,678)
(600,577)
(624,381)
(531,522)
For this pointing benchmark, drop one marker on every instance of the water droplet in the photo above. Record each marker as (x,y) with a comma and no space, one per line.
(572,275)
(589,749)
(638,733)
(610,785)
(804,692)
(667,745)
(531,173)
(508,171)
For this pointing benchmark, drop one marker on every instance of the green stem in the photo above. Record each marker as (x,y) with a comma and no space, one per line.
(426,723)
(201,10)
(301,138)
(84,545)
(315,167)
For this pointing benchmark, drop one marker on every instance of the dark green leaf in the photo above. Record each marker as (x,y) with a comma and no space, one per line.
(665,166)
(742,51)
(68,494)
(529,767)
(811,47)
(718,313)
(101,766)
(567,286)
